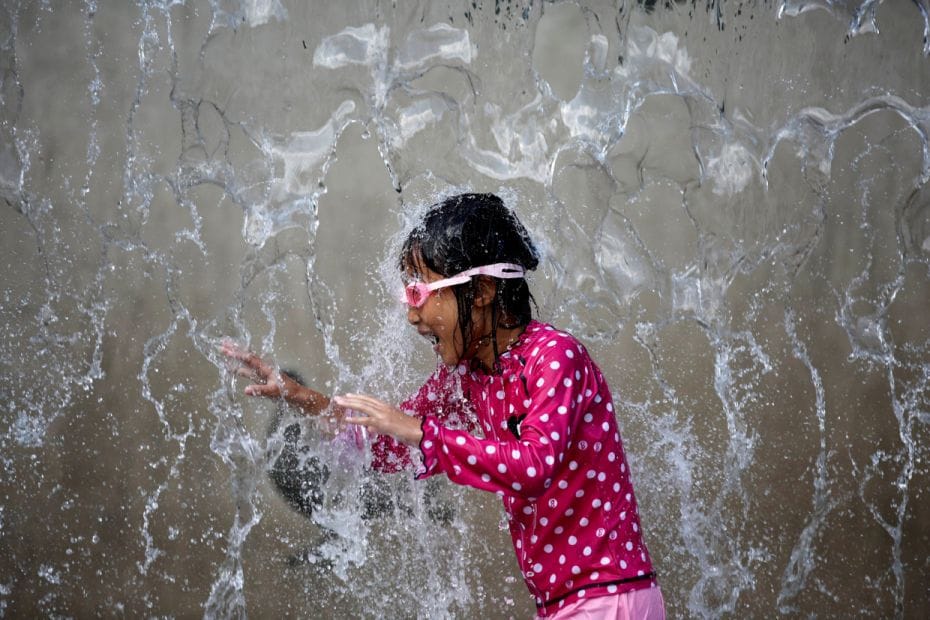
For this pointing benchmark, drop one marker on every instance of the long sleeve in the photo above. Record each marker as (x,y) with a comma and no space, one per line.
(438,397)
(549,391)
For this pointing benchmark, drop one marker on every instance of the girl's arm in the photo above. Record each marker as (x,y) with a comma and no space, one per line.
(561,383)
(269,382)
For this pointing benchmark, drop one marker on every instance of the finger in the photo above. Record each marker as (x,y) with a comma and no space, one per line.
(259,389)
(369,401)
(358,404)
(247,373)
(359,420)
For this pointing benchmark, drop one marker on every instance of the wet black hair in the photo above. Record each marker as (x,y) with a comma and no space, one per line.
(471,230)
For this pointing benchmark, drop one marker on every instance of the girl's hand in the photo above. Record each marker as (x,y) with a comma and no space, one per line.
(382,418)
(269,382)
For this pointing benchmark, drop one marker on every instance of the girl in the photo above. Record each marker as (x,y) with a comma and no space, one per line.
(549,445)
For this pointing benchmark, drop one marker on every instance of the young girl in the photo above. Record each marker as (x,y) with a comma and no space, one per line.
(516,407)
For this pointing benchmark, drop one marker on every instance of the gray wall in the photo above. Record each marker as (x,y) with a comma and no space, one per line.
(733,207)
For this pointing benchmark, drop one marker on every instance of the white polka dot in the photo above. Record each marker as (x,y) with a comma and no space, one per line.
(472,459)
(596,503)
(550,460)
(579,493)
(555,435)
(551,343)
(623,564)
(427,444)
(543,521)
(583,522)
(610,407)
(569,353)
(582,445)
(500,394)
(553,503)
(567,383)
(601,477)
(635,528)
(590,474)
(551,392)
(600,532)
(569,512)
(598,398)
(548,548)
(445,449)
(622,467)
(502,468)
(628,497)
(616,487)
(623,516)
(629,545)
(608,506)
(563,484)
(527,403)
(552,579)
(528,510)
(581,593)
(535,351)
(575,571)
(577,376)
(588,393)
(486,478)
(562,410)
(460,440)
(561,559)
(516,486)
(559,529)
(586,551)
(540,382)
(597,446)
(588,417)
(531,472)
(519,544)
(572,465)
(490,449)
(456,469)
(605,427)
(611,457)
(554,365)
(544,417)
(605,561)
(612,589)
(572,540)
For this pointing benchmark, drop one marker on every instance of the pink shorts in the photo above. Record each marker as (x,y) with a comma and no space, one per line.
(645,604)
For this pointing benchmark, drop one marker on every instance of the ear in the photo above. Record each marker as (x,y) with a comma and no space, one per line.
(487,289)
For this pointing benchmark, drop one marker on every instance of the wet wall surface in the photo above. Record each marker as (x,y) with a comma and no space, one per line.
(732,203)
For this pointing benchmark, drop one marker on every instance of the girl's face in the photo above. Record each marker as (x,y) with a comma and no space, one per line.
(437,319)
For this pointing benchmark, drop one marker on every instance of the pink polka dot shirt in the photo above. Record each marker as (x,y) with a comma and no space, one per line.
(552,452)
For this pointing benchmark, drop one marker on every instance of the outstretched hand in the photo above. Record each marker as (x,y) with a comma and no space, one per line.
(269,382)
(381,418)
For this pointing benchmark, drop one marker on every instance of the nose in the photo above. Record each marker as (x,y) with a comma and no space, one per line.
(413,315)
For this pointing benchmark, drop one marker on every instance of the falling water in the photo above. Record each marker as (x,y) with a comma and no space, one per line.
(734,208)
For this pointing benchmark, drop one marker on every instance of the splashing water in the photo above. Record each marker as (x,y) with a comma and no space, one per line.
(732,201)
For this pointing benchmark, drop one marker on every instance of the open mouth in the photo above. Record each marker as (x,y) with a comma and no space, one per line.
(433,340)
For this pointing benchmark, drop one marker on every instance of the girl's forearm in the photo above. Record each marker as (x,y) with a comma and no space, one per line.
(307,400)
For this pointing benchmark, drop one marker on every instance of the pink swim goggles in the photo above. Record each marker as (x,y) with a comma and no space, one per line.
(415,294)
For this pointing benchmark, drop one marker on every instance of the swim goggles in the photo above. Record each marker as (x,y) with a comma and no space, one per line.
(415,294)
